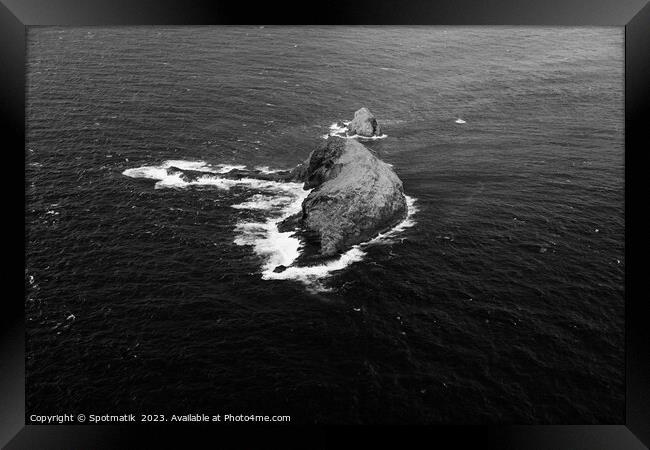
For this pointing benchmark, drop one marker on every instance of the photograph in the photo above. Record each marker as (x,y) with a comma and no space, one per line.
(325,224)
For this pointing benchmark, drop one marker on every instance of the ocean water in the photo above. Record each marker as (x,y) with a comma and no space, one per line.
(499,299)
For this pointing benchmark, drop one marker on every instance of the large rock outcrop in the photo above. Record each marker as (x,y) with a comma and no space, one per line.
(355,196)
(364,124)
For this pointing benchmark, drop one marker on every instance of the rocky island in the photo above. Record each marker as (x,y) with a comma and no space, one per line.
(355,196)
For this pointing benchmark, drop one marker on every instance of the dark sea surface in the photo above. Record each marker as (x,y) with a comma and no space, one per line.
(501,302)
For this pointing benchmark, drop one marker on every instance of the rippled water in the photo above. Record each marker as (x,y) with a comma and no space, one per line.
(502,301)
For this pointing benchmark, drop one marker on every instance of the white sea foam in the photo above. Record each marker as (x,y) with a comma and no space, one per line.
(176,181)
(264,202)
(225,168)
(266,169)
(186,165)
(152,172)
(313,274)
(278,248)
(211,177)
(160,172)
(336,129)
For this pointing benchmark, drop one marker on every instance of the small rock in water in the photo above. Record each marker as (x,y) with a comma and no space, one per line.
(364,124)
(280,268)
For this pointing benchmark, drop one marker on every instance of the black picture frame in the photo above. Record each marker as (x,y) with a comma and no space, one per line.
(634,15)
